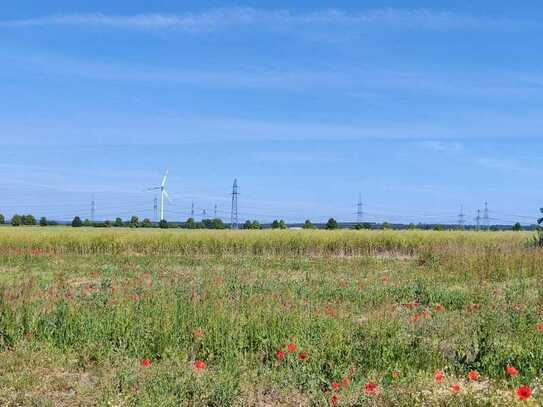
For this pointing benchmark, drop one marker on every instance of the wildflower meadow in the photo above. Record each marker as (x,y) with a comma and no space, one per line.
(269,318)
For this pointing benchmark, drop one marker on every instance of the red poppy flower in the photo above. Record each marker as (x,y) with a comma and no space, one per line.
(455,388)
(199,365)
(198,334)
(438,376)
(330,311)
(371,389)
(302,356)
(346,382)
(439,308)
(291,347)
(145,363)
(511,371)
(333,400)
(415,318)
(524,392)
(474,307)
(540,327)
(280,356)
(335,386)
(473,375)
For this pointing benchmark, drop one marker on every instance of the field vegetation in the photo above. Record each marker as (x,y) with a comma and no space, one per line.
(268,318)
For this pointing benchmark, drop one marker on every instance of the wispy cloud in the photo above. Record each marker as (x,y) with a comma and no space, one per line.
(238,16)
(508,165)
(211,128)
(442,146)
(358,83)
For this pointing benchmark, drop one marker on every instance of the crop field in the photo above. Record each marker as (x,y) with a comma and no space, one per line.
(269,318)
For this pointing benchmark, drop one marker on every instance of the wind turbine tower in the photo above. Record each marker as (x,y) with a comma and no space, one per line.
(163,194)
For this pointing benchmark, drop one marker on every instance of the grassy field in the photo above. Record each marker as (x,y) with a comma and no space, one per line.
(172,317)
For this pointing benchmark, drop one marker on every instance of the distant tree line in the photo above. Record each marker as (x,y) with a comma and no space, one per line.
(217,223)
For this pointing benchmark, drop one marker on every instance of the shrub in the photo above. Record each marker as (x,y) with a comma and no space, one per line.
(2,219)
(43,221)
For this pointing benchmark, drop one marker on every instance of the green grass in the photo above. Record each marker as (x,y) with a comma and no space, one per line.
(80,309)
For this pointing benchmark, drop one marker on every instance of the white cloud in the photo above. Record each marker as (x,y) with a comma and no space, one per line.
(239,16)
(442,146)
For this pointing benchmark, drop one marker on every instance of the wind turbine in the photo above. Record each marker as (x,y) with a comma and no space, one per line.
(163,194)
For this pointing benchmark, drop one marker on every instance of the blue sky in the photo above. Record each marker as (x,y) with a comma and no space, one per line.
(421,106)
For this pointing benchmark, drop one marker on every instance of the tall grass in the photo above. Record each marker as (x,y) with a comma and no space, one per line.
(293,242)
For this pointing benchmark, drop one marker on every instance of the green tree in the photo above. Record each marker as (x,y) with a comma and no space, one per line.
(147,223)
(412,226)
(308,225)
(16,220)
(207,223)
(2,219)
(134,222)
(163,224)
(439,228)
(538,238)
(87,223)
(108,224)
(275,224)
(76,223)
(217,224)
(191,223)
(43,221)
(118,223)
(252,225)
(386,225)
(517,227)
(331,224)
(29,220)
(367,225)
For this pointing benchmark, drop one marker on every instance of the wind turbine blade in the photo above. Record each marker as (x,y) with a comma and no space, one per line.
(164,179)
(153,189)
(167,197)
